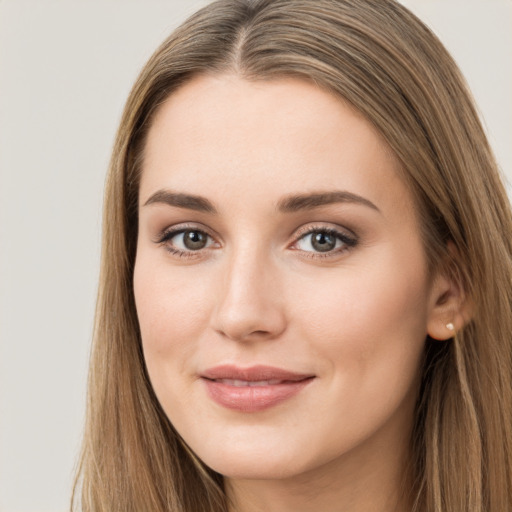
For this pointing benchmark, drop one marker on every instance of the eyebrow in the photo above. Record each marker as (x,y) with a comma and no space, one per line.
(314,200)
(289,204)
(190,202)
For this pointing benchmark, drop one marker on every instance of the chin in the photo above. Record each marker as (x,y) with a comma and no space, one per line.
(250,469)
(255,462)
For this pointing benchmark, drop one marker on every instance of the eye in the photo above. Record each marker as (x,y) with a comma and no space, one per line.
(183,242)
(325,240)
(190,239)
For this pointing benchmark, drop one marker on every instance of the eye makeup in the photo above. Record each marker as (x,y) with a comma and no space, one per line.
(313,241)
(324,242)
(186,241)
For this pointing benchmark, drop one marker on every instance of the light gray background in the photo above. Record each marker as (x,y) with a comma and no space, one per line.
(65,71)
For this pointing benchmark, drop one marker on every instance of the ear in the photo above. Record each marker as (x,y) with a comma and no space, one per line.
(450,309)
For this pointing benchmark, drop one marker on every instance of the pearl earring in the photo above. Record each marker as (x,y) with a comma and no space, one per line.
(450,326)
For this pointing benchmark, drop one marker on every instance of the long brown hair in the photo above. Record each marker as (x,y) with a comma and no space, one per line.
(380,58)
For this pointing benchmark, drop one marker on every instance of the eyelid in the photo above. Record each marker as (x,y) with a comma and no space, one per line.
(176,229)
(311,228)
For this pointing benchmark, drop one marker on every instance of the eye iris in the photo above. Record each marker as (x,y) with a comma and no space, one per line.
(323,242)
(194,240)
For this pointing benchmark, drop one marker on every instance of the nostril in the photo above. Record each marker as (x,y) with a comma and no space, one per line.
(260,333)
(245,335)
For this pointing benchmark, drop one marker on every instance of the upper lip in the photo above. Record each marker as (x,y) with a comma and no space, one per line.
(253,373)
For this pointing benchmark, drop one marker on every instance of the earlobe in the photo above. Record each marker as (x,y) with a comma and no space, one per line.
(439,331)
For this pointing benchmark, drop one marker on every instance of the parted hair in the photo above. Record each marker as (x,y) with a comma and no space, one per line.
(377,56)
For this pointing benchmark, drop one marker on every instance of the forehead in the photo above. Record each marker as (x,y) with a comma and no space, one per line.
(222,135)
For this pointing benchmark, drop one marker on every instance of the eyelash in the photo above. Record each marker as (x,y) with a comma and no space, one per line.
(349,241)
(170,233)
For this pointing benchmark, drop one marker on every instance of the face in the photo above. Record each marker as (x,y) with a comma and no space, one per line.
(280,281)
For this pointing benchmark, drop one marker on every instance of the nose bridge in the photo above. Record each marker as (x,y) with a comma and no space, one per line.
(249,305)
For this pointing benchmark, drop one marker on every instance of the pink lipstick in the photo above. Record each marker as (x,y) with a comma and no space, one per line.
(252,389)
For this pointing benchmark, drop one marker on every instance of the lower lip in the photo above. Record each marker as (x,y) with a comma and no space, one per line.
(253,398)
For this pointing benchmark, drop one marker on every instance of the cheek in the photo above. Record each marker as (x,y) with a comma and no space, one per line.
(368,318)
(172,311)
(367,327)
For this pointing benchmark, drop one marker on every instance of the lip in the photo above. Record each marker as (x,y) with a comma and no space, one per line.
(252,389)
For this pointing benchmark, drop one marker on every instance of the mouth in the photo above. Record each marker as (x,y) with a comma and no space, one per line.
(252,389)
(249,383)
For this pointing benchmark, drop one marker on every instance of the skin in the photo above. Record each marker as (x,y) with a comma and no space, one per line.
(259,292)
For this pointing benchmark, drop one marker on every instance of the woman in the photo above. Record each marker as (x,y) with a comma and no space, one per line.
(305,297)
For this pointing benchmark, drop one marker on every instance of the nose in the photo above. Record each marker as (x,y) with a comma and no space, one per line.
(249,306)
